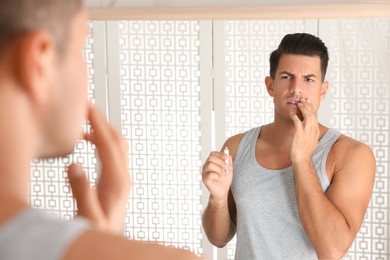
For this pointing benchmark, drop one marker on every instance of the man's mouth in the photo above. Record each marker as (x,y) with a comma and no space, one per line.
(293,102)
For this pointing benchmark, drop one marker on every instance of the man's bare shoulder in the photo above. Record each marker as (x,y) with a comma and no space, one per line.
(346,144)
(233,142)
(235,139)
(94,244)
(348,150)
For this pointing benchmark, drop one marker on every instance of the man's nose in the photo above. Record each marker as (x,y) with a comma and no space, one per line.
(296,87)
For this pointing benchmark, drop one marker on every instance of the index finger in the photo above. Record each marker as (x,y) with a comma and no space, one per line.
(103,135)
(297,122)
(220,155)
(306,108)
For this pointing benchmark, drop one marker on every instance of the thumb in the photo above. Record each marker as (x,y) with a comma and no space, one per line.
(86,198)
(297,122)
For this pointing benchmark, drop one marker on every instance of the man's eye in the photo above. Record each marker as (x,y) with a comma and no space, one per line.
(286,77)
(309,79)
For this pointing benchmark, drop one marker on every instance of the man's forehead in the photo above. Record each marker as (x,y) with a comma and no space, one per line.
(294,62)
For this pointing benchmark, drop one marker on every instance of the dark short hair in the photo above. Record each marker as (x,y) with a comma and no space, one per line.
(303,44)
(18,17)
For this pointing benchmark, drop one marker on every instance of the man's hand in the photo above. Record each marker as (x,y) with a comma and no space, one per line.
(105,205)
(217,175)
(307,133)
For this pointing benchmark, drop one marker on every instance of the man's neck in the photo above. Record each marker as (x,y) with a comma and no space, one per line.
(17,141)
(280,133)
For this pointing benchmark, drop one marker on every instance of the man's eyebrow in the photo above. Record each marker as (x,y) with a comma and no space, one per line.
(310,76)
(292,74)
(286,72)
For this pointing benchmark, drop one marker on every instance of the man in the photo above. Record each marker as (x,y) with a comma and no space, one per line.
(296,189)
(42,105)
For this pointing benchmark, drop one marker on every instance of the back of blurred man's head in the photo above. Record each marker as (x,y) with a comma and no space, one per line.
(19,17)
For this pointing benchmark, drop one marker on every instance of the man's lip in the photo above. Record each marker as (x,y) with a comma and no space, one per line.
(293,101)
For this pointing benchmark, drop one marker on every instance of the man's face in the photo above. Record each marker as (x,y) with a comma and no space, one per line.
(297,77)
(68,103)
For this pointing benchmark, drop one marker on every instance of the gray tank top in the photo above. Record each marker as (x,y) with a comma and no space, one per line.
(268,223)
(36,235)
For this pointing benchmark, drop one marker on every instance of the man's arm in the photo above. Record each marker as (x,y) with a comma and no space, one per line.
(219,227)
(104,206)
(219,217)
(331,220)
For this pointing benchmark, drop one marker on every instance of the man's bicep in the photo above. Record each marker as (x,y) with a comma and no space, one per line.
(352,184)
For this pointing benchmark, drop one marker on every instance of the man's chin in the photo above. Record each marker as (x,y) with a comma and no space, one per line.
(57,153)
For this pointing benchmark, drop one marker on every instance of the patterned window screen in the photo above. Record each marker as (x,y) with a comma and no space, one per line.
(160,116)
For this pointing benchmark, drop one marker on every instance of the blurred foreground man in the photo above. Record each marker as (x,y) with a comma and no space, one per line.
(43,102)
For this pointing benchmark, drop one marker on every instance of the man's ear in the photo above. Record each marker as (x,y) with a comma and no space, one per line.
(324,89)
(269,83)
(34,64)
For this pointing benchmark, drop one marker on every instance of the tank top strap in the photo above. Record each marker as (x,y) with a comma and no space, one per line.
(247,144)
(321,154)
(330,137)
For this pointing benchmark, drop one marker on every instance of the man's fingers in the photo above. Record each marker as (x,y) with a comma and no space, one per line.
(216,164)
(306,108)
(104,135)
(216,167)
(297,122)
(219,158)
(98,123)
(111,148)
(212,176)
(86,199)
(114,184)
(212,168)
